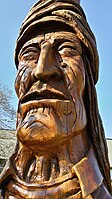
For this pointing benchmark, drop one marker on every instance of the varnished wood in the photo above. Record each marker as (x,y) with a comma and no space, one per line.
(61,150)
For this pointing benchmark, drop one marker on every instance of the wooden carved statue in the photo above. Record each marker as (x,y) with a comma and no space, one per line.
(61,151)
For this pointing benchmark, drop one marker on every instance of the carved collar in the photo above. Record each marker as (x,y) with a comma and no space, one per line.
(88,173)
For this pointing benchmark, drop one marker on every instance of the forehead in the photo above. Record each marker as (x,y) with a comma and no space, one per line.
(54,38)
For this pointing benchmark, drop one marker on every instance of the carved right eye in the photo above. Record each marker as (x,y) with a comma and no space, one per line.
(27,56)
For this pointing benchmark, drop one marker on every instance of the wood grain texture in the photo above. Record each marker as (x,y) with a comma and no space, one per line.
(61,150)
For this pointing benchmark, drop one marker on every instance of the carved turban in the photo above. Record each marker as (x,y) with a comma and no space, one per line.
(67,12)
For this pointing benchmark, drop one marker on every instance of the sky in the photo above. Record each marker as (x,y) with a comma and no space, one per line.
(99,16)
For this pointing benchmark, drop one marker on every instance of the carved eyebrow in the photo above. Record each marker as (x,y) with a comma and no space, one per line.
(30,48)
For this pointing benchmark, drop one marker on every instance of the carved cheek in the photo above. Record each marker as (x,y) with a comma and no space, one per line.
(23,80)
(76,75)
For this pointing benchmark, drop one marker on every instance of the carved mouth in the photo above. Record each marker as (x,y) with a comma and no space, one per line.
(46,94)
(31,102)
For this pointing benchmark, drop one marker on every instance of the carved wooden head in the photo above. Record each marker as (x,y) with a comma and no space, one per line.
(59,128)
(50,81)
(50,85)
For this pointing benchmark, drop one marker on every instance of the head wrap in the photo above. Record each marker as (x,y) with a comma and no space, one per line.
(67,12)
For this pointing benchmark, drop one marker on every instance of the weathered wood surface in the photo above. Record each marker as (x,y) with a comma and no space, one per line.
(61,151)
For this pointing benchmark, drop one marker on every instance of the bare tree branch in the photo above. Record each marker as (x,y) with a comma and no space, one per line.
(7,112)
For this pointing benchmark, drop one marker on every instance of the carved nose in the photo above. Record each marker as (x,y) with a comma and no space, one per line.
(47,65)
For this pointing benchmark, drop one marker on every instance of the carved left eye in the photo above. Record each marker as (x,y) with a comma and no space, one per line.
(68,51)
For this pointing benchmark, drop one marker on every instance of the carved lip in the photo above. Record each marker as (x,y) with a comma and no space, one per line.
(44,99)
(44,94)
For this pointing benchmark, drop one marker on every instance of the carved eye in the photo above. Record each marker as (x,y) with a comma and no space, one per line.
(68,49)
(68,52)
(27,56)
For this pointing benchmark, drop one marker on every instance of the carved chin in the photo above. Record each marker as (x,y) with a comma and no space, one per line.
(47,126)
(41,127)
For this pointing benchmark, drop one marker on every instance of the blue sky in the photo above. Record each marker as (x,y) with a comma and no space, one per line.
(99,16)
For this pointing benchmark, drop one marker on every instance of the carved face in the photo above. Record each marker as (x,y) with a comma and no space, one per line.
(50,86)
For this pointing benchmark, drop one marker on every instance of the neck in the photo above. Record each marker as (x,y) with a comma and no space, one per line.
(54,164)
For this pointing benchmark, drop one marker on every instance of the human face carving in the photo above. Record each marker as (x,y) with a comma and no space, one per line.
(50,85)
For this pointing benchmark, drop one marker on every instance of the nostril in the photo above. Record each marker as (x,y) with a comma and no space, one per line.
(36,61)
(34,77)
(63,65)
